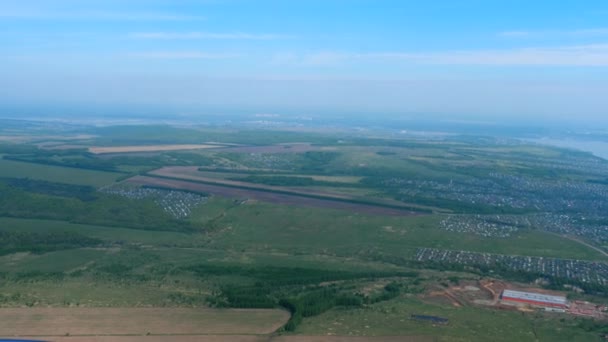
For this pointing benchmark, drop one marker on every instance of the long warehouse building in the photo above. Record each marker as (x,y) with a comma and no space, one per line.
(535,299)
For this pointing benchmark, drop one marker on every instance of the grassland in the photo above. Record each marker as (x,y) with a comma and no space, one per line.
(314,230)
(466,323)
(51,173)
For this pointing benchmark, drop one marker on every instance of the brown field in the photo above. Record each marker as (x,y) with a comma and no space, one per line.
(288,199)
(138,321)
(192,173)
(148,148)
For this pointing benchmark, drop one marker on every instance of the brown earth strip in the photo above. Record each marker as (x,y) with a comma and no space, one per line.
(192,173)
(239,193)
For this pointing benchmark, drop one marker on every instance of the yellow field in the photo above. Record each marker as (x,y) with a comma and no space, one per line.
(138,321)
(147,148)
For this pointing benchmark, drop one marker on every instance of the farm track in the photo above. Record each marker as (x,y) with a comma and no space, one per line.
(572,238)
(287,198)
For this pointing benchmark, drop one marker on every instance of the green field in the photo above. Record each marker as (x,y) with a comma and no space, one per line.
(11,168)
(311,230)
(465,323)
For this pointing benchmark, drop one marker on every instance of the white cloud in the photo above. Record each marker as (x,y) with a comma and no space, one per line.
(181,55)
(205,35)
(595,55)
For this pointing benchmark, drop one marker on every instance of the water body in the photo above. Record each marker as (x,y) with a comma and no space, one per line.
(598,148)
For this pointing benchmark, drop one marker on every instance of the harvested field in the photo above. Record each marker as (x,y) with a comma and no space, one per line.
(148,148)
(266,196)
(138,321)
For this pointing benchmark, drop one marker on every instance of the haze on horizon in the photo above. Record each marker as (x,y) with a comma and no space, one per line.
(541,60)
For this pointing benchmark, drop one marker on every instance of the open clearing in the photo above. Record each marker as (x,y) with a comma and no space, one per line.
(147,148)
(138,321)
(266,196)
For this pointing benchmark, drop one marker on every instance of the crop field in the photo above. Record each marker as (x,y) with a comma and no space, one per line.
(148,148)
(138,321)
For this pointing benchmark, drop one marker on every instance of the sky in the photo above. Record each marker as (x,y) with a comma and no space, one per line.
(482,59)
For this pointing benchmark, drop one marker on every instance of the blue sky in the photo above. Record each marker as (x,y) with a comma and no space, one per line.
(509,58)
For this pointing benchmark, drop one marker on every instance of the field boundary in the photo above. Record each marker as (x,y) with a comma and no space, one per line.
(405,208)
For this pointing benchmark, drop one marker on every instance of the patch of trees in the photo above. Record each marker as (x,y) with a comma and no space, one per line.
(155,160)
(82,161)
(289,181)
(298,290)
(316,161)
(38,243)
(590,325)
(598,181)
(17,148)
(105,210)
(35,276)
(82,192)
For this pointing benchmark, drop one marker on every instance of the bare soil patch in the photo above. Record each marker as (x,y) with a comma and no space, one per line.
(265,196)
(138,321)
(148,148)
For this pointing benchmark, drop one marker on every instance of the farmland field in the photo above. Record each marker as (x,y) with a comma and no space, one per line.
(138,321)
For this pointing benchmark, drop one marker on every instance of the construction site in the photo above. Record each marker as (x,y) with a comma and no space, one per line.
(507,296)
